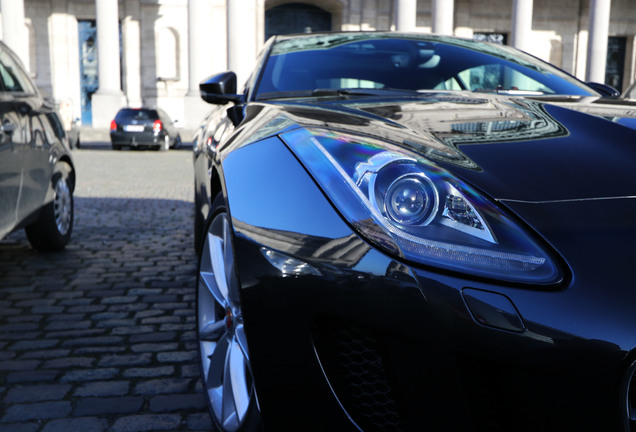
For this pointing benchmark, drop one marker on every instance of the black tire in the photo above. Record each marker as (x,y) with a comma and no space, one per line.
(177,142)
(199,225)
(116,147)
(216,342)
(52,230)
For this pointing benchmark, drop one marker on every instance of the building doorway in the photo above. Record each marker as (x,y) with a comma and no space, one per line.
(615,68)
(89,82)
(296,18)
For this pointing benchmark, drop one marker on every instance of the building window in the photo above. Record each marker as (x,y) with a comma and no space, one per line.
(296,18)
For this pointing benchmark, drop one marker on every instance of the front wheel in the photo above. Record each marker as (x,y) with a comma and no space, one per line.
(225,362)
(52,230)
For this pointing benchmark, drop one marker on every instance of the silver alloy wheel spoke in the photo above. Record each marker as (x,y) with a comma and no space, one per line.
(218,250)
(222,341)
(209,281)
(212,331)
(216,372)
(62,206)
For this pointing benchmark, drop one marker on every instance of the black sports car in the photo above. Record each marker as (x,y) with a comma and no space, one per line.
(403,232)
(37,176)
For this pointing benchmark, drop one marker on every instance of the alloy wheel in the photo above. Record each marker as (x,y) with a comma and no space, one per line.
(62,206)
(223,346)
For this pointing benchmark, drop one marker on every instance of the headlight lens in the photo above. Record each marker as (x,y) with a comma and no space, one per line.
(418,211)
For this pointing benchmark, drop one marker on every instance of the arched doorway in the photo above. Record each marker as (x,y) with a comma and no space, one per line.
(296,18)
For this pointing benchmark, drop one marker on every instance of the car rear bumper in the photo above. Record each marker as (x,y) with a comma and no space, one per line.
(136,139)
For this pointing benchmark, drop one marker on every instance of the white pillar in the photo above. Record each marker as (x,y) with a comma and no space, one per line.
(206,22)
(108,98)
(521,25)
(197,43)
(241,38)
(131,39)
(406,15)
(13,29)
(443,17)
(108,66)
(597,40)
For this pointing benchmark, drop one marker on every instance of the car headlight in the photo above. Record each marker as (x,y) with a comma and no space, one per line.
(414,209)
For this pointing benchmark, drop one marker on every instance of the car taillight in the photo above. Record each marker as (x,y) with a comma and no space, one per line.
(157,126)
(113,126)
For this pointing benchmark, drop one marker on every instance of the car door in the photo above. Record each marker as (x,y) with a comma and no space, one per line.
(31,141)
(11,150)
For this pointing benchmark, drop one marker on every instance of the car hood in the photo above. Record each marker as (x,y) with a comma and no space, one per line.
(513,148)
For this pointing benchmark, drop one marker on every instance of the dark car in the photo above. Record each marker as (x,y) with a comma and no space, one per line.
(143,128)
(409,232)
(37,177)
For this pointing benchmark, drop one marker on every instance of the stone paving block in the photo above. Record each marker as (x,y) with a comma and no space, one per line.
(17,365)
(103,389)
(199,422)
(126,360)
(45,354)
(89,375)
(93,341)
(85,424)
(69,362)
(153,337)
(162,386)
(154,372)
(36,393)
(178,357)
(91,406)
(161,404)
(148,422)
(30,376)
(36,411)
(19,427)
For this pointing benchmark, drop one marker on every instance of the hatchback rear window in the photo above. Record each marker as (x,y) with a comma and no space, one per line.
(127,115)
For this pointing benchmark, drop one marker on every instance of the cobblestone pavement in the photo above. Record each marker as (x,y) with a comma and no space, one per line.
(101,337)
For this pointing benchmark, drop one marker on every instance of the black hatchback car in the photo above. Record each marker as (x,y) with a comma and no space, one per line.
(37,177)
(143,128)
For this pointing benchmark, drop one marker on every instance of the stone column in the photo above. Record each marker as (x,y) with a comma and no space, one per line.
(13,29)
(406,15)
(109,97)
(443,17)
(131,56)
(241,38)
(597,40)
(521,24)
(204,18)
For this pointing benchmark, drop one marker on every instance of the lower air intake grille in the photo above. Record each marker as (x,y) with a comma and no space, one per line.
(350,357)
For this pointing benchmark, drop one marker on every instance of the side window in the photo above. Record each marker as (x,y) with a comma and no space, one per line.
(14,79)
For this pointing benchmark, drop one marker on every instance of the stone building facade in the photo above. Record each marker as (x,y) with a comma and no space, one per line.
(155,52)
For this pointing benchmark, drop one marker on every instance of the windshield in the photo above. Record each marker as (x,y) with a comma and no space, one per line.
(379,61)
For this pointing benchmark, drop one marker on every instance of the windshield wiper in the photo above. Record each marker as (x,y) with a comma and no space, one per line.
(326,92)
(514,92)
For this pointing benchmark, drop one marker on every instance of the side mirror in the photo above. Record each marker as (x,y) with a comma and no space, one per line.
(220,89)
(604,89)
